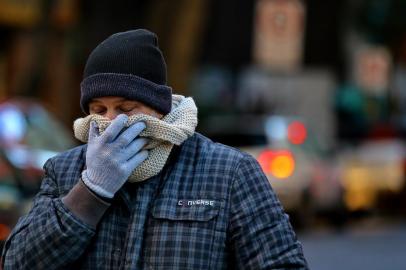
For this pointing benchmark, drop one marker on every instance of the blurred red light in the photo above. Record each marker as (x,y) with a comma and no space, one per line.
(264,159)
(280,164)
(4,232)
(297,132)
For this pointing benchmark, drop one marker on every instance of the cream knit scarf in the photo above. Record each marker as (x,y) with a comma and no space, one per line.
(173,129)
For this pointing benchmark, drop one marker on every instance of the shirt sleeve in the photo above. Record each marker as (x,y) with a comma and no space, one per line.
(49,236)
(261,236)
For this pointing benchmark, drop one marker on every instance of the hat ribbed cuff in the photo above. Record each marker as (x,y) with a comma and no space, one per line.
(158,97)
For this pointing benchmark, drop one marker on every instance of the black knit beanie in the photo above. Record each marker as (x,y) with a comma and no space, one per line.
(130,65)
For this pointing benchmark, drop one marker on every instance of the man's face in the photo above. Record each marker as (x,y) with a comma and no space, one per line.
(110,107)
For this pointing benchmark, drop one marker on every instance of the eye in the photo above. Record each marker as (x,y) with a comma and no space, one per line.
(127,107)
(97,110)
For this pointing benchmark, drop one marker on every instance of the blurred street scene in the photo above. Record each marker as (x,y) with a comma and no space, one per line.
(314,90)
(371,244)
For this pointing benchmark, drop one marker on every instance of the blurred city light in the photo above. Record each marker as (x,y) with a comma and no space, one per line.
(264,159)
(276,128)
(12,124)
(4,231)
(297,132)
(280,164)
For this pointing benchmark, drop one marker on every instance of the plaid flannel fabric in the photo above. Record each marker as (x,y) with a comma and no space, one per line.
(211,208)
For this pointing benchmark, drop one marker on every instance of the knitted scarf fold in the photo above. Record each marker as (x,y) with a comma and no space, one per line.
(173,129)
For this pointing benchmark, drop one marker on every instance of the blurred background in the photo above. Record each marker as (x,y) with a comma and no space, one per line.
(314,90)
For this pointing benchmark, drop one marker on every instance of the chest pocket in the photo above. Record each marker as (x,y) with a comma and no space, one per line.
(180,233)
(186,209)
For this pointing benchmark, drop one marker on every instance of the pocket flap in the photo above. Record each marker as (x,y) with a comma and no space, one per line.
(185,209)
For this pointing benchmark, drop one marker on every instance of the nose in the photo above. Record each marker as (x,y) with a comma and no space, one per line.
(111,114)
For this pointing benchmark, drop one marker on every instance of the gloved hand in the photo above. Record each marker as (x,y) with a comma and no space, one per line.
(111,157)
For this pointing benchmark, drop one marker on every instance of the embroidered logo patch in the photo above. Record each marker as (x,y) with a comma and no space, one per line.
(200,202)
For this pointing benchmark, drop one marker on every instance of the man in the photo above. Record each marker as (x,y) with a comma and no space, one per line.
(146,191)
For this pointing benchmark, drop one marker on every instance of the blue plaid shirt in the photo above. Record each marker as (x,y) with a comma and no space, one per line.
(210,208)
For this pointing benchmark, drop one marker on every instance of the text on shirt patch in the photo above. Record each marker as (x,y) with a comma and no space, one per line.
(195,202)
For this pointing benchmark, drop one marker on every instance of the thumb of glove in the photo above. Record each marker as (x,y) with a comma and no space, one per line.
(93,131)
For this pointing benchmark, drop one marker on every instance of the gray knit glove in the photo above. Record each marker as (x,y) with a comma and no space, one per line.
(112,156)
